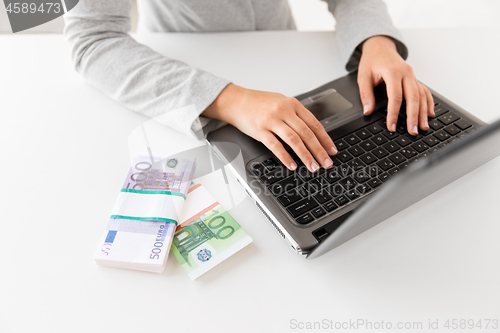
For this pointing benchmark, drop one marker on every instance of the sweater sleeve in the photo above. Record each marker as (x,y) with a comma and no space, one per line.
(139,78)
(358,20)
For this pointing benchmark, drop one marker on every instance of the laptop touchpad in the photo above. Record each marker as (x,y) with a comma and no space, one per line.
(326,104)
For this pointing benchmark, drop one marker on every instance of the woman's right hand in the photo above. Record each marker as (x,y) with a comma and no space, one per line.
(265,116)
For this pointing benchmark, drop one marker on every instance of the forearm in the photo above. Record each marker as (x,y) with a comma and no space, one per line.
(358,20)
(133,74)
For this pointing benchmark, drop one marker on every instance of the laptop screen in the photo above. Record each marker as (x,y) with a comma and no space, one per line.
(416,182)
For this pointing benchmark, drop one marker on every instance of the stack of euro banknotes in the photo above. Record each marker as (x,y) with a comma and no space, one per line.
(159,209)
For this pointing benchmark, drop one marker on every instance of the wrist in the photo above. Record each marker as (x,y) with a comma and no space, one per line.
(378,42)
(225,104)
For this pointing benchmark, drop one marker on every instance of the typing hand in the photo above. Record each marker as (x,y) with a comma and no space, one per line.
(379,62)
(265,116)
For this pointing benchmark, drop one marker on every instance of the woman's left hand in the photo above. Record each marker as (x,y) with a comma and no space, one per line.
(379,62)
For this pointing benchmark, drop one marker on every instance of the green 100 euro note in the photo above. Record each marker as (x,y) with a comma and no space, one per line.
(207,241)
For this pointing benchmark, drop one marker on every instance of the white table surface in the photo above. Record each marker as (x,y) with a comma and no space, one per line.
(65,152)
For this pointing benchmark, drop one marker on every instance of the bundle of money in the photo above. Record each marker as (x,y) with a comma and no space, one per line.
(206,235)
(139,233)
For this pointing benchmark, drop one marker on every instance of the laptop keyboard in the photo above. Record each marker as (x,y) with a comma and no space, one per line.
(366,158)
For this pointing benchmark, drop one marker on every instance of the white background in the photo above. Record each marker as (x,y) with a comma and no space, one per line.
(313,15)
(436,260)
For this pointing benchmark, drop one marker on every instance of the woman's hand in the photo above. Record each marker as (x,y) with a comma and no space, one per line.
(265,116)
(379,62)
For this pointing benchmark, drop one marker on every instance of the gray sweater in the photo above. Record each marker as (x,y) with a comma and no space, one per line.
(171,91)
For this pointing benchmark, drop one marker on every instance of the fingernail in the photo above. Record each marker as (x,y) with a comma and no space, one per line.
(333,150)
(366,108)
(293,166)
(415,130)
(314,166)
(393,128)
(432,112)
(426,124)
(328,162)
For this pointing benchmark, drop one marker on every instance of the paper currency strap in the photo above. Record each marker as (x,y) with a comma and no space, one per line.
(129,190)
(162,219)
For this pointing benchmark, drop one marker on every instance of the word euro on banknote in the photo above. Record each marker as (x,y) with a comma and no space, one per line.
(139,233)
(210,238)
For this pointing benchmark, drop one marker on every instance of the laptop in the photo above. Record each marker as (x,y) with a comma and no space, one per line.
(375,174)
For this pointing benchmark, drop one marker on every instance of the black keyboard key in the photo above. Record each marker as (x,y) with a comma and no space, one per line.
(374,170)
(274,176)
(448,118)
(363,134)
(289,198)
(341,145)
(258,169)
(375,128)
(342,200)
(374,182)
(435,124)
(285,185)
(306,218)
(426,133)
(345,170)
(430,141)
(452,130)
(401,128)
(362,189)
(335,161)
(356,150)
(332,175)
(442,135)
(397,158)
(368,158)
(379,139)
(419,146)
(347,183)
(303,191)
(352,194)
(322,196)
(302,206)
(390,135)
(384,177)
(344,156)
(361,176)
(336,190)
(352,139)
(385,164)
(411,160)
(404,165)
(463,124)
(392,147)
(380,152)
(439,110)
(356,164)
(367,145)
(408,152)
(317,212)
(330,206)
(270,161)
(305,174)
(415,137)
(393,171)
(319,183)
(403,140)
